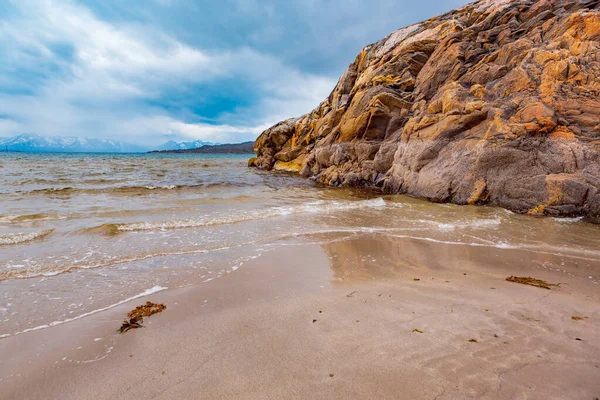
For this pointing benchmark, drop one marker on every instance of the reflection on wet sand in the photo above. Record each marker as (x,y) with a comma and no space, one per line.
(382,256)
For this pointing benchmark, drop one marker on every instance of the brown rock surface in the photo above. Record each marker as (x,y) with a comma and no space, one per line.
(497,102)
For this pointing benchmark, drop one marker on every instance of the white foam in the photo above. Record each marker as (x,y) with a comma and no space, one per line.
(566,219)
(474,223)
(107,263)
(146,292)
(17,238)
(312,208)
(167,187)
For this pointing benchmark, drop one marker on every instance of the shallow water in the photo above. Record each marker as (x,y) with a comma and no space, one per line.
(80,233)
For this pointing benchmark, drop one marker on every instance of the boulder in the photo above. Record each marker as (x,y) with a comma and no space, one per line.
(496,103)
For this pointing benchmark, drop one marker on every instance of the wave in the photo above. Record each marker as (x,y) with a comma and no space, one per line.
(474,223)
(130,190)
(146,292)
(311,208)
(582,254)
(165,187)
(568,219)
(57,190)
(18,238)
(21,272)
(13,271)
(29,218)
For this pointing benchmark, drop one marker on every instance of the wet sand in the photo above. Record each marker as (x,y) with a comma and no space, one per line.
(335,321)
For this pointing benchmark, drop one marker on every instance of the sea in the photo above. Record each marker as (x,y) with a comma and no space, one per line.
(81,233)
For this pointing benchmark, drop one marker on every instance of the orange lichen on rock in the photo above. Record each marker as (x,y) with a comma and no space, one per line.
(562,133)
(478,192)
(537,210)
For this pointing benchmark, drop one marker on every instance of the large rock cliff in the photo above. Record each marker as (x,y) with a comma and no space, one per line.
(497,102)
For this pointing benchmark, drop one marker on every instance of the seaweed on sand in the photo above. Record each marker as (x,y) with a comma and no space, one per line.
(132,323)
(136,316)
(576,318)
(146,310)
(531,281)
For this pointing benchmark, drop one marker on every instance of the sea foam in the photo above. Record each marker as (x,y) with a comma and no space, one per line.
(309,208)
(18,238)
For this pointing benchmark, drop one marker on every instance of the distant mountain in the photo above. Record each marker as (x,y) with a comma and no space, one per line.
(69,144)
(237,148)
(171,145)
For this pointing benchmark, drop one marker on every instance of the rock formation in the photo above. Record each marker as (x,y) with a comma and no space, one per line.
(497,102)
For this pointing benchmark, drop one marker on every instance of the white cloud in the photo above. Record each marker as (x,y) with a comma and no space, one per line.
(103,87)
(104,55)
(10,126)
(161,125)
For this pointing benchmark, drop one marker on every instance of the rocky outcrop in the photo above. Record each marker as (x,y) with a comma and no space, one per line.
(497,102)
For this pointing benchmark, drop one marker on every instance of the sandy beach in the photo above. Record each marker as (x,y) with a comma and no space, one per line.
(342,320)
(423,222)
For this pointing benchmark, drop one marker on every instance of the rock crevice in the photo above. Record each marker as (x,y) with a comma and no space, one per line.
(497,102)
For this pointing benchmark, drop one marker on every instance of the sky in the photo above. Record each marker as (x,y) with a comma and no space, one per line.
(149,71)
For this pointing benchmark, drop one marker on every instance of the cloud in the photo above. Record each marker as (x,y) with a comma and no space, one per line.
(141,71)
(167,127)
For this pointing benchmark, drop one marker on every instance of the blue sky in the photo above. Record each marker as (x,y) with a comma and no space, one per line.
(147,71)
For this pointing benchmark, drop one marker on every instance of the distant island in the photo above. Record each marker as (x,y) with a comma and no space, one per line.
(235,148)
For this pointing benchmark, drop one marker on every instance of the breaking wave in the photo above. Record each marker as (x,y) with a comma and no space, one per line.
(130,190)
(18,238)
(309,208)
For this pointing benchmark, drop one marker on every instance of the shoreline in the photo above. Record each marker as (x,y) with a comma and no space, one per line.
(250,334)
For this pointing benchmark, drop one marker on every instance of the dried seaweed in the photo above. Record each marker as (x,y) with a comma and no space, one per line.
(136,316)
(417,330)
(132,323)
(146,310)
(531,319)
(576,318)
(531,281)
(472,341)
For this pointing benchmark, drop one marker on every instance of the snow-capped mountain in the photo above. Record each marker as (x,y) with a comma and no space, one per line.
(172,145)
(71,144)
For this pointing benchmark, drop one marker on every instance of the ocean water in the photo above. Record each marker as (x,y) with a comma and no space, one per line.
(80,233)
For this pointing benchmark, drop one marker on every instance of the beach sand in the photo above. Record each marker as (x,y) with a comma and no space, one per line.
(367,318)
